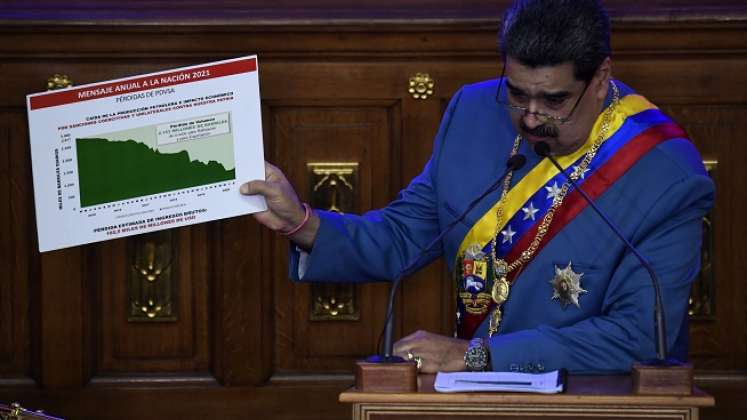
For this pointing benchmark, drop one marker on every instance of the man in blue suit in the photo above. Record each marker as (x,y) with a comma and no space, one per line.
(542,282)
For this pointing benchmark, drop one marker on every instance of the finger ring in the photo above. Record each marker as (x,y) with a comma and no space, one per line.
(418,362)
(417,359)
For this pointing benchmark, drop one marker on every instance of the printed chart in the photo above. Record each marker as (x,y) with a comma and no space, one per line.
(145,153)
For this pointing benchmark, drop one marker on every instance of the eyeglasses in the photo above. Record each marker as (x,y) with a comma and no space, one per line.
(541,116)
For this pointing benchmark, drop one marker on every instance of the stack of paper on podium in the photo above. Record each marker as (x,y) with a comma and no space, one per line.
(543,383)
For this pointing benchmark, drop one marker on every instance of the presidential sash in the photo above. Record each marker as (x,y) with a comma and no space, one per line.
(635,127)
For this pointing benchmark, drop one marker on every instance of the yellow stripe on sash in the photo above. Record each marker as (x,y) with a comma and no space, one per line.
(484,229)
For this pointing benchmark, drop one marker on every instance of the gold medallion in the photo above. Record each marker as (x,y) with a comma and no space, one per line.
(500,290)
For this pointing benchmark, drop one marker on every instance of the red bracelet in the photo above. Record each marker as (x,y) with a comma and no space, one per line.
(307,210)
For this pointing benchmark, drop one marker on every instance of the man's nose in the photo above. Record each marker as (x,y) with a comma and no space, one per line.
(530,115)
(530,119)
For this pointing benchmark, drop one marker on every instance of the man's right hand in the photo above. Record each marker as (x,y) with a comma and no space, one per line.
(284,210)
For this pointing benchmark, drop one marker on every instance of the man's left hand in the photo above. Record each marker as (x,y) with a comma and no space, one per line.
(439,353)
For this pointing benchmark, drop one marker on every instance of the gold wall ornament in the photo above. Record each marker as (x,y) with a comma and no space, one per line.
(421,86)
(152,284)
(58,81)
(702,303)
(334,302)
(333,186)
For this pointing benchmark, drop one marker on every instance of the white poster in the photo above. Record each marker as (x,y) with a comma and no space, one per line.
(145,153)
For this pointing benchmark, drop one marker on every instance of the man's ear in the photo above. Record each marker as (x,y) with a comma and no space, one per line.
(601,80)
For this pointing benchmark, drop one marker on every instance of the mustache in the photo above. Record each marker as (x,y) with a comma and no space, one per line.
(543,130)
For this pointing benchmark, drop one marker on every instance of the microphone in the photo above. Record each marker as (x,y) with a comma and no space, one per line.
(515,162)
(543,150)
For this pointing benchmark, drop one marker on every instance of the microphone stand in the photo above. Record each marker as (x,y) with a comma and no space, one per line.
(378,372)
(647,376)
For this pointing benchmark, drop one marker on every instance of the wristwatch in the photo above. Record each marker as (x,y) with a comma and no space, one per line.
(477,356)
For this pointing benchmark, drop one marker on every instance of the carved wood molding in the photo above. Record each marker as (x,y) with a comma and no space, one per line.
(424,38)
(76,11)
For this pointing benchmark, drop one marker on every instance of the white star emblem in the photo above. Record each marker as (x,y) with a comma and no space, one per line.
(508,235)
(529,212)
(553,192)
(578,173)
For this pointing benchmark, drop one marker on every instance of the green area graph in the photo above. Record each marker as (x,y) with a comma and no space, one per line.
(110,171)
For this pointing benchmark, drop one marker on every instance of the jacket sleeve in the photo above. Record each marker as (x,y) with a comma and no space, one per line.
(624,331)
(377,245)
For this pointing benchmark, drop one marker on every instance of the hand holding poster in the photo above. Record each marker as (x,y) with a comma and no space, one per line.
(145,153)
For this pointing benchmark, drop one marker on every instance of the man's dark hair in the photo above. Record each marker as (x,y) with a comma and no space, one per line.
(550,32)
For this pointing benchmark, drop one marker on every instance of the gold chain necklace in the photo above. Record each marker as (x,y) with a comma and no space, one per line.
(501,268)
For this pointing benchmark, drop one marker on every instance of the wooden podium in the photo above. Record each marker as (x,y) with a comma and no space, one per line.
(587,397)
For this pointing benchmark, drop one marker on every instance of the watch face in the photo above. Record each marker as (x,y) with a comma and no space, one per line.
(476,358)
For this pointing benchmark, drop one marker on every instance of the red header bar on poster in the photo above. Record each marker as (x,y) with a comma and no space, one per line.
(137,84)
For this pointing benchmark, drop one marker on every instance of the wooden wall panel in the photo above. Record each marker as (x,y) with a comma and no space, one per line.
(685,81)
(241,306)
(427,298)
(7,340)
(16,260)
(61,326)
(362,133)
(717,130)
(154,347)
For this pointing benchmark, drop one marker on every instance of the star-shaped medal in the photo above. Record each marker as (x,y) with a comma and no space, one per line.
(567,286)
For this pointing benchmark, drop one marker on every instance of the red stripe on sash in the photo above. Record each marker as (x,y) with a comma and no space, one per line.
(596,184)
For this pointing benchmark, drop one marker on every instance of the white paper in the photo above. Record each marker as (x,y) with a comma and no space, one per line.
(543,383)
(145,153)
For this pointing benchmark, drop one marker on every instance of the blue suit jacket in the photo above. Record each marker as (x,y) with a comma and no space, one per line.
(658,204)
